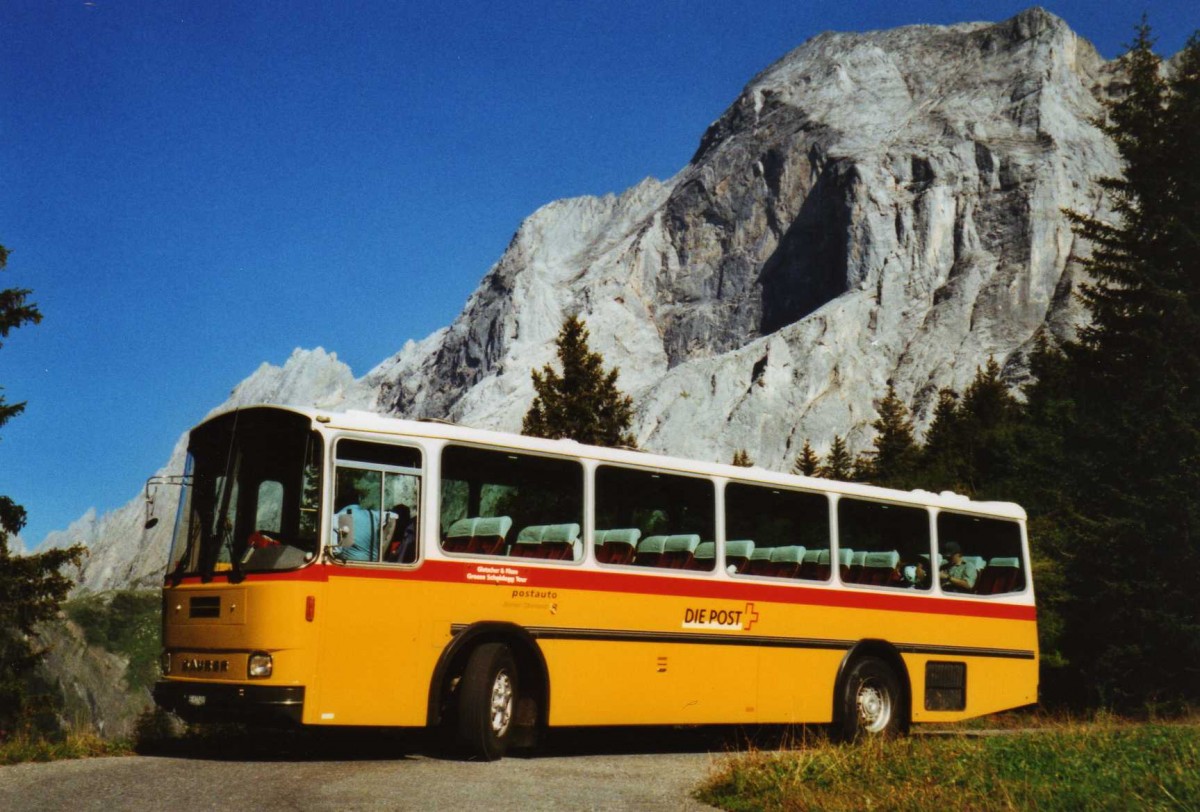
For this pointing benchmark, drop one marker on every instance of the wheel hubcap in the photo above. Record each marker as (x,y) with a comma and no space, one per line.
(874,707)
(502,703)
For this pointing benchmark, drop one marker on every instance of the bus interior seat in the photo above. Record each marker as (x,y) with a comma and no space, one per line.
(759,562)
(555,542)
(482,534)
(737,554)
(786,561)
(679,550)
(823,566)
(1001,575)
(705,557)
(811,568)
(879,568)
(979,561)
(845,557)
(649,551)
(616,546)
(856,567)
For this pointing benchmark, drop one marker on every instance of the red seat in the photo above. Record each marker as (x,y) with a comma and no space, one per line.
(479,535)
(759,562)
(879,569)
(737,554)
(999,576)
(678,551)
(616,546)
(787,561)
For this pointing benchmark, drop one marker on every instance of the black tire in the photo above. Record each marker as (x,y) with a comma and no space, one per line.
(872,702)
(487,702)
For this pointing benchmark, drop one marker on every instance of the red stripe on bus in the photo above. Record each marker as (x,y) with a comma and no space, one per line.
(649,584)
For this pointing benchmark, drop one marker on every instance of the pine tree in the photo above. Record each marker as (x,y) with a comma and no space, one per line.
(1120,409)
(31,586)
(583,402)
(808,462)
(838,462)
(741,458)
(943,457)
(989,418)
(894,460)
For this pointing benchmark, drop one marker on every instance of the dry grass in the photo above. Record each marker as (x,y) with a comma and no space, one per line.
(1097,764)
(23,747)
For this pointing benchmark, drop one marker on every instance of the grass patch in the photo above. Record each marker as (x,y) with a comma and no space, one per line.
(1094,766)
(22,748)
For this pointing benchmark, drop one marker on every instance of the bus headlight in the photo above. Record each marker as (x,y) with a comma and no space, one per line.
(260,665)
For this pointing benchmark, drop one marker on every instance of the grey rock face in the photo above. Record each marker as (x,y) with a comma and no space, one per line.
(873,207)
(90,683)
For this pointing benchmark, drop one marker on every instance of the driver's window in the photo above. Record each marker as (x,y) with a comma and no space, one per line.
(269,509)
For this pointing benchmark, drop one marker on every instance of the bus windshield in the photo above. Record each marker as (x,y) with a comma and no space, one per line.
(251,501)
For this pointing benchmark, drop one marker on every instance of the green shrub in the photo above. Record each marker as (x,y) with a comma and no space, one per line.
(126,622)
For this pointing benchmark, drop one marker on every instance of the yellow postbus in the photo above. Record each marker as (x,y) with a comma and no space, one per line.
(352,569)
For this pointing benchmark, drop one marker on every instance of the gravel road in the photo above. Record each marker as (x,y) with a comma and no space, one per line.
(391,780)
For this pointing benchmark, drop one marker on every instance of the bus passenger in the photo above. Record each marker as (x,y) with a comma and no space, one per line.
(402,547)
(912,574)
(957,575)
(365,544)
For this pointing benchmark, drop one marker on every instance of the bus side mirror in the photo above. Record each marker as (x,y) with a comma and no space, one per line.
(345,530)
(179,480)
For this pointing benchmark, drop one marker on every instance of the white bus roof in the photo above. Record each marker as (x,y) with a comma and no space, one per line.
(369,422)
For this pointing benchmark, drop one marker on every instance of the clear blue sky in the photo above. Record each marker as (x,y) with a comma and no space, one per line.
(193,188)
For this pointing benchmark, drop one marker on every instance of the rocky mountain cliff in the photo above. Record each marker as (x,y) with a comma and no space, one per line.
(873,207)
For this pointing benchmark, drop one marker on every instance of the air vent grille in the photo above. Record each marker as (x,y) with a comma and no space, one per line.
(204,607)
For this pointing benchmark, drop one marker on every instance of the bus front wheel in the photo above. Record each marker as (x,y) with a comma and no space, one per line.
(872,702)
(487,700)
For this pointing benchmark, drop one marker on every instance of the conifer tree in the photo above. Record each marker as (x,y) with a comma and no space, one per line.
(741,458)
(1125,407)
(989,418)
(582,402)
(839,464)
(943,455)
(808,462)
(31,586)
(895,458)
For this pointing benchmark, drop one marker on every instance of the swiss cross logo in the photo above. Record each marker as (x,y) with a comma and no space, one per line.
(749,616)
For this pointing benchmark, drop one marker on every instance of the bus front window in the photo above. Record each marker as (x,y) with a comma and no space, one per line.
(253,498)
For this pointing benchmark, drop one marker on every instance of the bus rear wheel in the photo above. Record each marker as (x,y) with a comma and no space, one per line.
(487,701)
(872,702)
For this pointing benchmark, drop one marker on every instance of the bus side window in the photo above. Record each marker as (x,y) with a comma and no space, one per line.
(379,485)
(491,500)
(983,552)
(775,532)
(653,519)
(894,540)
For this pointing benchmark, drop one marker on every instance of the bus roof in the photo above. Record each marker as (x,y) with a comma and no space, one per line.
(370,422)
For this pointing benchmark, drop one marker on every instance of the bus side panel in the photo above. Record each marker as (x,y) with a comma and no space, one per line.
(796,685)
(374,666)
(992,685)
(632,683)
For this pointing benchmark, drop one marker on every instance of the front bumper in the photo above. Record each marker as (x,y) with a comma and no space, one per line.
(224,702)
